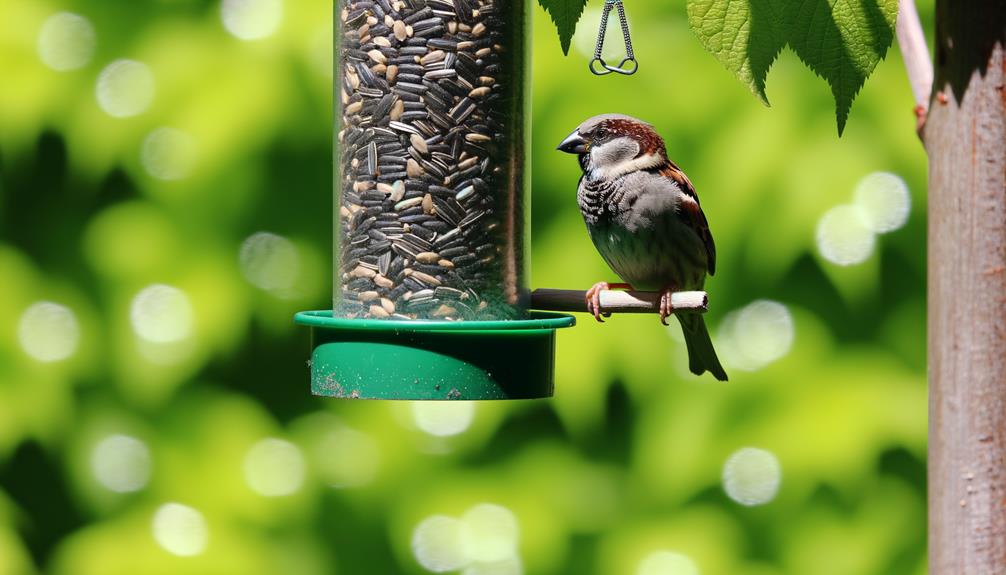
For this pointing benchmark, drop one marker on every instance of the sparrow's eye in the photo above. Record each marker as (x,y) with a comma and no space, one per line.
(600,133)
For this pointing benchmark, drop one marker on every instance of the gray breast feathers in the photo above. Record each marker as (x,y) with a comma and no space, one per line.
(631,201)
(594,198)
(637,226)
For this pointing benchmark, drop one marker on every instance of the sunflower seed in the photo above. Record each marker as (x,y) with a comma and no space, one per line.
(427,114)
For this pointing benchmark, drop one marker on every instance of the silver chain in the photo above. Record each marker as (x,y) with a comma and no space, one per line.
(630,57)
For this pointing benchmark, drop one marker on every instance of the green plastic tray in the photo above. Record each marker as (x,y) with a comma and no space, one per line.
(438,360)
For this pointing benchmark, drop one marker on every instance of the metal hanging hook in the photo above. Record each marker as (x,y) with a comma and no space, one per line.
(629,59)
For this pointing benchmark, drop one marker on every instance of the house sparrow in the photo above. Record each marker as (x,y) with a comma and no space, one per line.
(644,218)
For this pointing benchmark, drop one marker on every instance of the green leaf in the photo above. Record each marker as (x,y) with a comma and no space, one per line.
(565,14)
(744,35)
(840,40)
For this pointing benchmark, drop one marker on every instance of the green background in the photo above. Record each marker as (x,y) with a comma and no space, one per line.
(624,461)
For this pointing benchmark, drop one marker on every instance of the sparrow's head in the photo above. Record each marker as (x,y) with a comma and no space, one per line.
(611,145)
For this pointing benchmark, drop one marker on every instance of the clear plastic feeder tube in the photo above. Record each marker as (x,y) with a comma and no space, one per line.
(431,166)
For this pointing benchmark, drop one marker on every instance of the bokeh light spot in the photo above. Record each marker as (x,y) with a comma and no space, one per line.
(757,334)
(508,566)
(585,37)
(161,314)
(884,201)
(168,154)
(843,237)
(121,463)
(48,331)
(66,41)
(180,529)
(274,468)
(667,563)
(270,262)
(489,533)
(436,544)
(443,418)
(751,476)
(252,19)
(125,88)
(345,457)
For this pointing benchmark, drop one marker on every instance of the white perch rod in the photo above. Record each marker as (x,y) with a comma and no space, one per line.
(915,52)
(613,301)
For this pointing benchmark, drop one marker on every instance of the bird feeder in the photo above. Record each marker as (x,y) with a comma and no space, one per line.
(431,296)
(430,285)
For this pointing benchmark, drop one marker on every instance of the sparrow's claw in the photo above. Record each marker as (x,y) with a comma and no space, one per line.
(594,300)
(593,297)
(666,306)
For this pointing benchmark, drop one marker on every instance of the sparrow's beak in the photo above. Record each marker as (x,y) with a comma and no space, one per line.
(573,144)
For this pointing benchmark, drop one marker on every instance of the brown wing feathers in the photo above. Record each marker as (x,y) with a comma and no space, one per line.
(694,211)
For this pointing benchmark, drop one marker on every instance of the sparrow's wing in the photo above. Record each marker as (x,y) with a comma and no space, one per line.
(692,210)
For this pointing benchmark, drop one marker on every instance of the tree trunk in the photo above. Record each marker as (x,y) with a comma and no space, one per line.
(965,137)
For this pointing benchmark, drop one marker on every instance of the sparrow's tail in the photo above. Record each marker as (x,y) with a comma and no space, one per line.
(701,355)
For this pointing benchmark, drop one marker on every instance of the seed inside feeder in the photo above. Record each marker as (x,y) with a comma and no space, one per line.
(432,127)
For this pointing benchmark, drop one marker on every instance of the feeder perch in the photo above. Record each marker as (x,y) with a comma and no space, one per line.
(430,297)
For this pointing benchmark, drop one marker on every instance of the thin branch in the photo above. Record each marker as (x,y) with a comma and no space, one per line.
(918,63)
(618,301)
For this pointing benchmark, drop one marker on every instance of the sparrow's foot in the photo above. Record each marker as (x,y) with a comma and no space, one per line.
(921,112)
(594,298)
(666,307)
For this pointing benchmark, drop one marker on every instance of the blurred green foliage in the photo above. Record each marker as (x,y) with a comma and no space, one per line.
(625,461)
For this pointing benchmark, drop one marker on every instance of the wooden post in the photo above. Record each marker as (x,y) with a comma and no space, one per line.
(965,136)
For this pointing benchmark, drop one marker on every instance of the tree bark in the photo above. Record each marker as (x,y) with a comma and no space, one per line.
(965,137)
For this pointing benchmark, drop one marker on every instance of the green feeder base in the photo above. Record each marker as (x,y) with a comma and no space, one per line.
(387,359)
